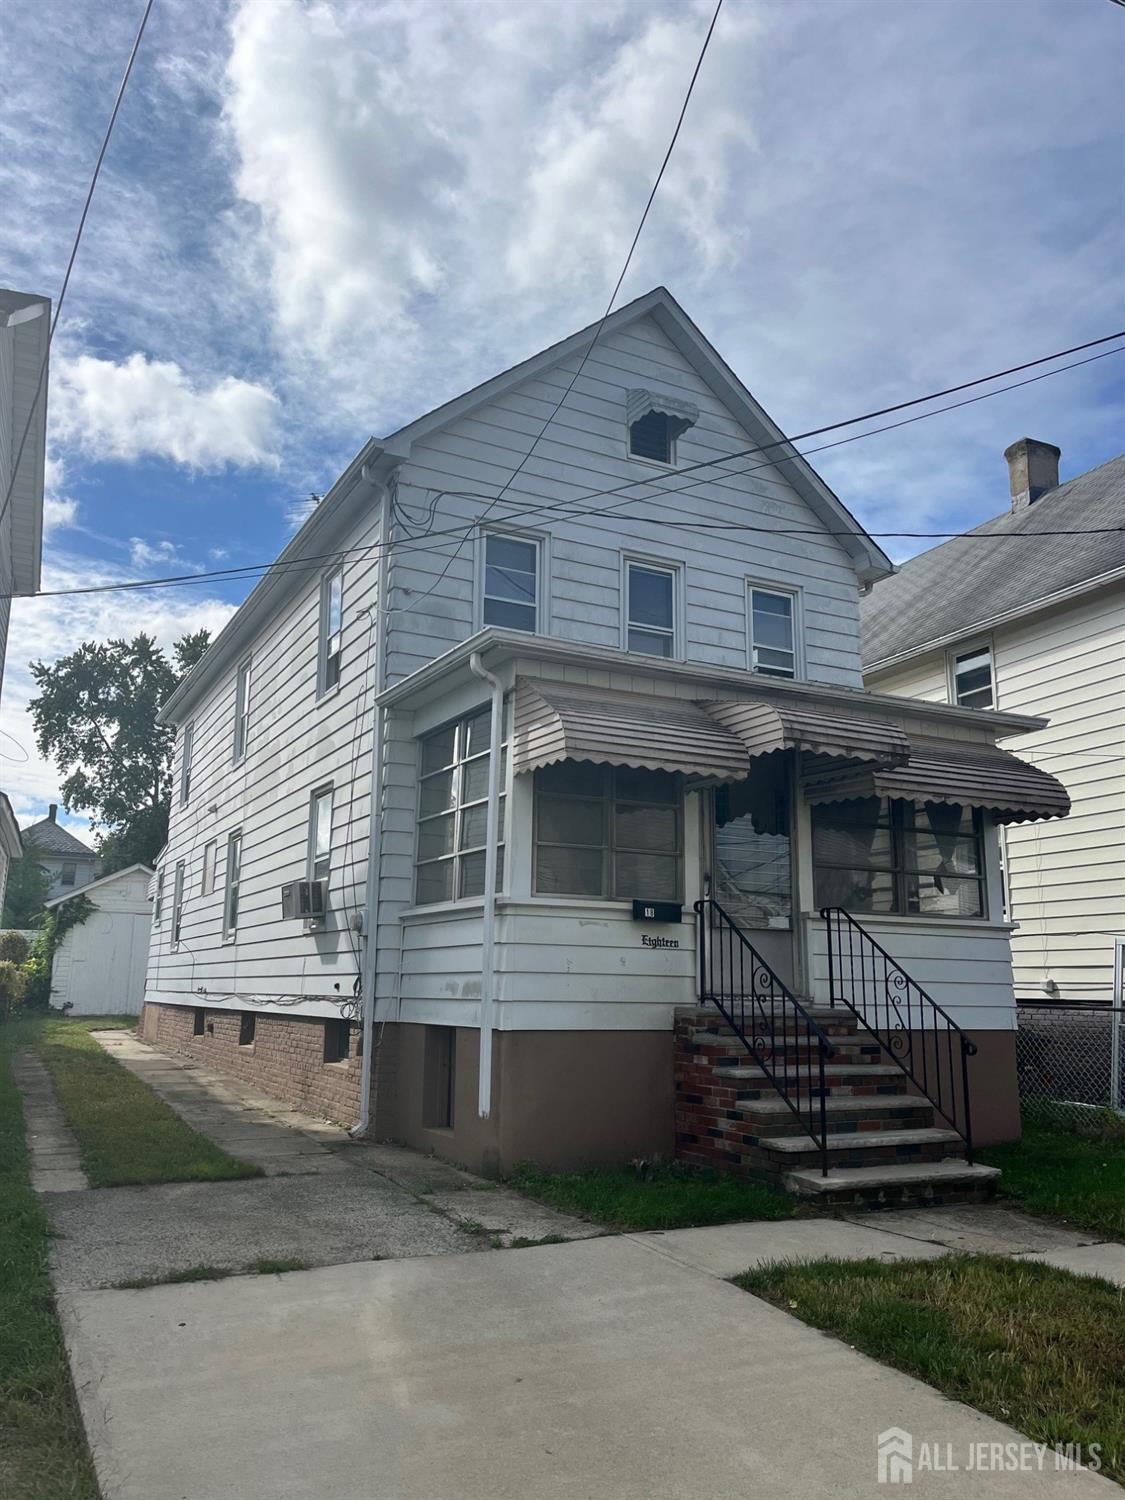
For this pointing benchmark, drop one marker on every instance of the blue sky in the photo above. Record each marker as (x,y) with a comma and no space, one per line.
(319,220)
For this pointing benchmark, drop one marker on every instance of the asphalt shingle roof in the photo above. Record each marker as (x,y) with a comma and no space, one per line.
(49,838)
(964,583)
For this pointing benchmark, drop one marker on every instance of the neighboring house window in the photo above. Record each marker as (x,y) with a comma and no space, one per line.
(972,678)
(177,904)
(453,811)
(185,764)
(69,874)
(242,709)
(320,834)
(158,902)
(609,832)
(208,883)
(511,582)
(331,652)
(875,855)
(234,881)
(650,620)
(773,632)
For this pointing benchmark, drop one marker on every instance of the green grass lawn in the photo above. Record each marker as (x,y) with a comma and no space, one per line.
(660,1197)
(1039,1348)
(127,1134)
(1055,1170)
(43,1452)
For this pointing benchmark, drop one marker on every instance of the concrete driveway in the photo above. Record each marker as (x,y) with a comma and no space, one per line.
(617,1367)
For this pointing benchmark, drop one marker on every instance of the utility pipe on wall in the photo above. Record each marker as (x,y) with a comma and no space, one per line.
(492,840)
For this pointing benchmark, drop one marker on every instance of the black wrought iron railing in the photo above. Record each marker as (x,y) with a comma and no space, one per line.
(771,1023)
(911,1028)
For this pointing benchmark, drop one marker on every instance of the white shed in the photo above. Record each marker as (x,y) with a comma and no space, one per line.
(99,966)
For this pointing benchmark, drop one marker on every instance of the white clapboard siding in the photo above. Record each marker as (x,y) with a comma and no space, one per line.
(1065,880)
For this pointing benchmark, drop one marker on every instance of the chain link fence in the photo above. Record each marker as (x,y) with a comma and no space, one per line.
(1071,1062)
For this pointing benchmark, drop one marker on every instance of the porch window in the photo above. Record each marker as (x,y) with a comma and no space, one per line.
(972,678)
(609,832)
(650,622)
(511,582)
(875,855)
(453,811)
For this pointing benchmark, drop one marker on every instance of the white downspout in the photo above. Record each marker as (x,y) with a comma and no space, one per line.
(488,930)
(374,828)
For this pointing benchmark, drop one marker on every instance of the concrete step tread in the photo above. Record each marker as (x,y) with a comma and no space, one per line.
(948,1173)
(852,1072)
(837,1104)
(850,1140)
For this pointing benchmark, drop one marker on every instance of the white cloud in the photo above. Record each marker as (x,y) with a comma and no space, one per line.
(141,407)
(59,514)
(45,629)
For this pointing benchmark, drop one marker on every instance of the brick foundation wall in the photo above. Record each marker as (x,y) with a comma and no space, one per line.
(285,1059)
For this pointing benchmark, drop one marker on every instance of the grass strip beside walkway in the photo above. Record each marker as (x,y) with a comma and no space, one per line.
(1039,1348)
(43,1453)
(127,1135)
(1054,1170)
(658,1196)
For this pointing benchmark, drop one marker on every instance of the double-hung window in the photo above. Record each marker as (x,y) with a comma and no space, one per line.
(185,764)
(331,652)
(68,875)
(234,883)
(242,709)
(773,632)
(178,904)
(511,582)
(453,811)
(320,833)
(650,609)
(158,899)
(609,832)
(207,884)
(972,678)
(875,855)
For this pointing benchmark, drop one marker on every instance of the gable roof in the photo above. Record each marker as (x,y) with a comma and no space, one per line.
(94,885)
(49,838)
(965,586)
(378,458)
(25,323)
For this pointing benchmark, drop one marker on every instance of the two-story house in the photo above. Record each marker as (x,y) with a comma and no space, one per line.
(66,860)
(547,669)
(1027,614)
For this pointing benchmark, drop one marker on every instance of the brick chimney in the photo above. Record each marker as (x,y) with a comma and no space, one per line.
(52,812)
(1033,469)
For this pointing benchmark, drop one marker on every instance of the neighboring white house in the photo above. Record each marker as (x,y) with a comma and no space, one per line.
(11,844)
(99,966)
(619,702)
(1027,615)
(69,862)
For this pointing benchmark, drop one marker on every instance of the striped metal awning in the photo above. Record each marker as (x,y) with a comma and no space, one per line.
(964,774)
(554,721)
(764,727)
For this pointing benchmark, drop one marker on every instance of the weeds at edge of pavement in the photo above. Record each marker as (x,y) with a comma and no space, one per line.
(263,1267)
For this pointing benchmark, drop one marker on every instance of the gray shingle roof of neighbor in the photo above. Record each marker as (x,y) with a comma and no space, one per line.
(963,585)
(49,838)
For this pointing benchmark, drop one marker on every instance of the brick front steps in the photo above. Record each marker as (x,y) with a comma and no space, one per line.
(885,1146)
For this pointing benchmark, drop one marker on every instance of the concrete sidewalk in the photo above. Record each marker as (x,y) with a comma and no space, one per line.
(607,1367)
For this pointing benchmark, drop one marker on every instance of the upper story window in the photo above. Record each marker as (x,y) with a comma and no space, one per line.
(331,648)
(68,875)
(655,422)
(511,582)
(650,609)
(453,811)
(773,632)
(875,855)
(207,884)
(242,709)
(320,834)
(234,883)
(185,764)
(972,676)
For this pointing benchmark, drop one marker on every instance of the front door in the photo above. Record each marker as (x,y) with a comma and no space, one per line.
(751,866)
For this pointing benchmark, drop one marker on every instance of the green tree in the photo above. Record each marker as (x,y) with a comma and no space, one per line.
(28,887)
(95,715)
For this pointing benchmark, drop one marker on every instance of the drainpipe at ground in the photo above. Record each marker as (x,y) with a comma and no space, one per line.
(488,929)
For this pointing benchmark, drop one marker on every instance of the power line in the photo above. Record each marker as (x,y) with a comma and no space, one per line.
(73,256)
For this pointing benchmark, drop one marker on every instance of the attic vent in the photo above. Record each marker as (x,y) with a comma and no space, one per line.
(655,422)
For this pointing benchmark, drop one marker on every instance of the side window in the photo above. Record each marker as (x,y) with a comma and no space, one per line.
(650,609)
(178,904)
(208,883)
(234,882)
(185,764)
(655,421)
(972,678)
(242,709)
(69,875)
(158,899)
(511,582)
(320,834)
(773,632)
(330,654)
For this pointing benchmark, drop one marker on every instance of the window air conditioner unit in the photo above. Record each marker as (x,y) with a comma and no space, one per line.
(303,900)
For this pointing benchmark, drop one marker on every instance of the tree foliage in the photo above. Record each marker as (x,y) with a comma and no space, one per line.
(95,716)
(28,887)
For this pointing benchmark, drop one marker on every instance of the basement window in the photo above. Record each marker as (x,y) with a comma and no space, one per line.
(247,1025)
(337,1041)
(438,1072)
(197,1019)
